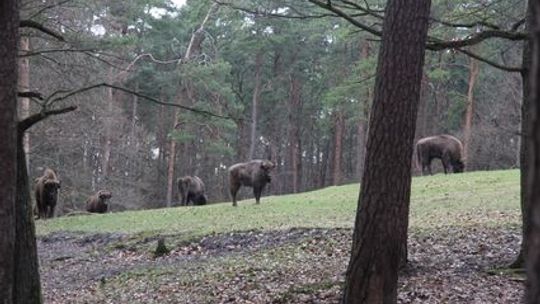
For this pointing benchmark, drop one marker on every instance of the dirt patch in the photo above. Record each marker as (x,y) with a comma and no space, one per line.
(292,266)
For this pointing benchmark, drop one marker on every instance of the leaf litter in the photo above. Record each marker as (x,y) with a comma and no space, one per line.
(446,265)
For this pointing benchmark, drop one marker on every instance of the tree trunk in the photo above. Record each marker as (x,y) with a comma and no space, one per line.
(533,158)
(24,86)
(524,164)
(27,285)
(380,233)
(9,35)
(106,157)
(467,126)
(295,105)
(362,123)
(171,162)
(339,125)
(194,48)
(255,103)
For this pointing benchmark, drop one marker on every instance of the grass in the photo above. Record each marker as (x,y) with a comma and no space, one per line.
(476,198)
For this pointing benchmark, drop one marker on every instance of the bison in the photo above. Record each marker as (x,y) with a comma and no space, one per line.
(191,189)
(255,174)
(46,191)
(445,147)
(97,203)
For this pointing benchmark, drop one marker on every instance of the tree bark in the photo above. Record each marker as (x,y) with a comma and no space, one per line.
(27,283)
(533,158)
(24,86)
(469,112)
(380,233)
(9,35)
(524,147)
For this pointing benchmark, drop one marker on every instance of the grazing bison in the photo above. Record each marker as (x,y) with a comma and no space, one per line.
(46,191)
(255,174)
(97,203)
(445,147)
(191,189)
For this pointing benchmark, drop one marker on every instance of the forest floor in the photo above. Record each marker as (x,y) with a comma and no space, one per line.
(289,249)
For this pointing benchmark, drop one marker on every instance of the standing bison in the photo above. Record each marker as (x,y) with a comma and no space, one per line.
(445,147)
(255,174)
(46,191)
(97,203)
(191,189)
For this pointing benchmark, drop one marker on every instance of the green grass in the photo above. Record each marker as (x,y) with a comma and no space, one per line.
(477,198)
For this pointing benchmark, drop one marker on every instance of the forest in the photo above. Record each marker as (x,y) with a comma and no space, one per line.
(290,88)
(123,99)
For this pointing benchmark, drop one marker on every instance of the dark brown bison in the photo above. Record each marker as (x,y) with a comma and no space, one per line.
(255,174)
(46,191)
(445,147)
(191,189)
(97,203)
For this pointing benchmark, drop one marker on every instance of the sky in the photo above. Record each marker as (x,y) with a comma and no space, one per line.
(178,3)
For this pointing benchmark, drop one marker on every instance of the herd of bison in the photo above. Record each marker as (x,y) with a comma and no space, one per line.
(254,174)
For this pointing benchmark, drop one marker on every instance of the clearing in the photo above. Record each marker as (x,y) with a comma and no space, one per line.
(288,249)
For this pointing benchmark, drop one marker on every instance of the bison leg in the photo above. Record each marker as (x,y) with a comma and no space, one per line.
(234,190)
(184,200)
(50,211)
(445,162)
(426,167)
(257,192)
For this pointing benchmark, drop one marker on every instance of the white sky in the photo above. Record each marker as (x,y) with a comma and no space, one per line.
(178,3)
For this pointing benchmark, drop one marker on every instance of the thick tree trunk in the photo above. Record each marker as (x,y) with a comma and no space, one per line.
(380,233)
(27,284)
(255,103)
(9,37)
(524,148)
(24,86)
(467,125)
(533,158)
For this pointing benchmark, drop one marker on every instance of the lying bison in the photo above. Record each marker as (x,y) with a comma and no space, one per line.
(445,147)
(255,174)
(46,191)
(191,189)
(97,203)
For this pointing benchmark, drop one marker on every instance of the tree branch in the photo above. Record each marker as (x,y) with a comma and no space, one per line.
(41,28)
(29,94)
(491,63)
(436,44)
(66,94)
(28,122)
(328,6)
(467,25)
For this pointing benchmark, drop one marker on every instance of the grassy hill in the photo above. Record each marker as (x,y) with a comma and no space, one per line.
(485,198)
(462,226)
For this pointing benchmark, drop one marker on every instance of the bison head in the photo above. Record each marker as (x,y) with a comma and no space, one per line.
(459,166)
(266,167)
(50,188)
(104,194)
